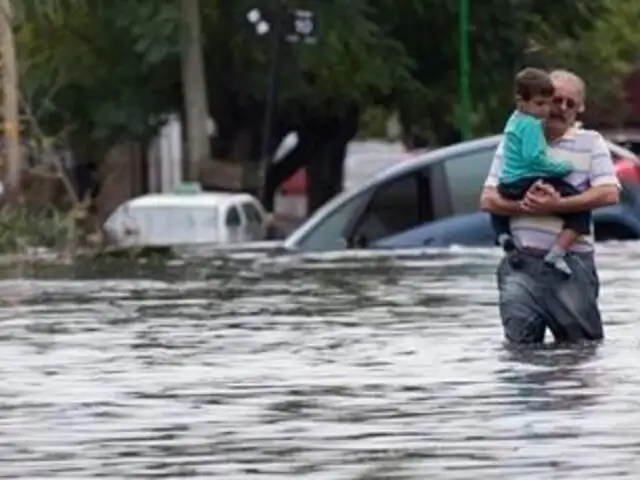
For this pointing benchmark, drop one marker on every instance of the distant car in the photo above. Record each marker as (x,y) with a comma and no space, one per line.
(625,147)
(179,219)
(628,138)
(432,200)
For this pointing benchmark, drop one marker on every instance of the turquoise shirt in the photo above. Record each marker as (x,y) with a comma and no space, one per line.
(525,151)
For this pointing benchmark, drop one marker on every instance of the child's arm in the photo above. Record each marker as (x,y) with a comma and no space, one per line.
(534,152)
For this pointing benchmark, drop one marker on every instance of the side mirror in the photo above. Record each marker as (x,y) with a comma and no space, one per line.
(359,241)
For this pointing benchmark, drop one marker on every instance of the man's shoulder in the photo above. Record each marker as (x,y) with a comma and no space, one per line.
(585,139)
(586,134)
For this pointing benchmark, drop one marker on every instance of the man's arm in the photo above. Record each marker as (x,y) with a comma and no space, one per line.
(491,201)
(595,197)
(604,190)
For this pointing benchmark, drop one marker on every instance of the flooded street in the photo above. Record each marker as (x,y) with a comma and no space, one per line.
(354,367)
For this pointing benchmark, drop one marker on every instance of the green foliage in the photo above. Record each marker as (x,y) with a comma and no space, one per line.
(96,65)
(603,54)
(499,32)
(373,122)
(22,229)
(111,69)
(354,61)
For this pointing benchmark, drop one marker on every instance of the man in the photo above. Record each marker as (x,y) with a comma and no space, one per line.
(533,296)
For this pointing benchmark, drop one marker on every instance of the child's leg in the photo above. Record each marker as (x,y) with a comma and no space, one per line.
(556,256)
(501,224)
(502,229)
(575,225)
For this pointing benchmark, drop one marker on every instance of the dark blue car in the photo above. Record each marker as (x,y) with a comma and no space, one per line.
(432,201)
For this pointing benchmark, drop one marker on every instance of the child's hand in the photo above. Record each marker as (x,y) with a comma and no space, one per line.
(541,199)
(543,188)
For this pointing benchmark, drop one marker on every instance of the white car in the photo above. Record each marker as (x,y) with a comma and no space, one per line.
(195,219)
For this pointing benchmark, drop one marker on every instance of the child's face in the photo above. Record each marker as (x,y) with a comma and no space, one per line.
(538,106)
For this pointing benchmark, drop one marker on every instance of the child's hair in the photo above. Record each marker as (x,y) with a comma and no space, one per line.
(532,82)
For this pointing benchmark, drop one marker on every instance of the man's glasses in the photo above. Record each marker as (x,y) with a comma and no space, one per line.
(569,102)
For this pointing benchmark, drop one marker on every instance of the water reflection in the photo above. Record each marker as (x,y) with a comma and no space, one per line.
(339,366)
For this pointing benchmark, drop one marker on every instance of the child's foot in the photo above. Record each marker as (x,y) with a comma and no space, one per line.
(556,260)
(506,242)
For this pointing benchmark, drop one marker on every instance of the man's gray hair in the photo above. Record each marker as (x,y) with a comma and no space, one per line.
(568,76)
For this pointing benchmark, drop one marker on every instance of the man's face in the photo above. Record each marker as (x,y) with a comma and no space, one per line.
(565,105)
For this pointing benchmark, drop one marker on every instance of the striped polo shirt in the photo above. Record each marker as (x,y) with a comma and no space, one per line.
(587,151)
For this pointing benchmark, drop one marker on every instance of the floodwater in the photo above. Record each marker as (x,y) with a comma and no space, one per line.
(333,367)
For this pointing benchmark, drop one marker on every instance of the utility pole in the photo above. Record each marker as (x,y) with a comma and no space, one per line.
(11,100)
(194,90)
(290,26)
(271,101)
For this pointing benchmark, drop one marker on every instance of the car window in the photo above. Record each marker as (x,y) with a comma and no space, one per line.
(233,217)
(465,177)
(328,234)
(436,196)
(252,213)
(394,208)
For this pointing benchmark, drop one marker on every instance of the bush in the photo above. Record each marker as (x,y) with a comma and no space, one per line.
(22,229)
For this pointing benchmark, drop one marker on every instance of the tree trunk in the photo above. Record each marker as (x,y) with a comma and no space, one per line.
(13,164)
(321,148)
(194,90)
(325,173)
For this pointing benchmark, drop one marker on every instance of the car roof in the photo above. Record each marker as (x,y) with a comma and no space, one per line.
(435,156)
(208,199)
(425,159)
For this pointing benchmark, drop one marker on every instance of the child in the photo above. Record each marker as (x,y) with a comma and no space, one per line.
(526,161)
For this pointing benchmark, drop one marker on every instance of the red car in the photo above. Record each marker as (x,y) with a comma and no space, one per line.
(627,164)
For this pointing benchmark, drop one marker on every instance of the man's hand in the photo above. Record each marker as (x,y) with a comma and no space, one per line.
(541,199)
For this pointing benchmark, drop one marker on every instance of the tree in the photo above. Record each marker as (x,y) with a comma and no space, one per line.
(111,70)
(194,89)
(94,66)
(323,88)
(604,54)
(500,32)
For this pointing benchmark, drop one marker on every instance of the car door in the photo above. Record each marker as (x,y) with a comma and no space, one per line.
(367,219)
(395,206)
(455,187)
(255,221)
(465,175)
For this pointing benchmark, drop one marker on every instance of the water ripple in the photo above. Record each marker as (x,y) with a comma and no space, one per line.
(325,366)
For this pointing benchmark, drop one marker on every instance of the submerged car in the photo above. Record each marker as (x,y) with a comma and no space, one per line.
(432,200)
(187,219)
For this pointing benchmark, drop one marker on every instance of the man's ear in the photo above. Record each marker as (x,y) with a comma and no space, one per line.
(581,108)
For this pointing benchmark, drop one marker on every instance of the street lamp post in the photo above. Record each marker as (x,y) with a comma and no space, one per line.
(290,26)
(464,110)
